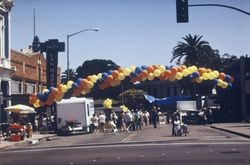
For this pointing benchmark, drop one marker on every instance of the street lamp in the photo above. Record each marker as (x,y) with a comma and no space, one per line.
(117,67)
(70,35)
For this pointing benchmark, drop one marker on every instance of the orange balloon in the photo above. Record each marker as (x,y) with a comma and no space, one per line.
(32,99)
(155,66)
(179,69)
(200,70)
(167,73)
(174,70)
(84,82)
(222,76)
(150,69)
(144,73)
(115,74)
(110,78)
(162,77)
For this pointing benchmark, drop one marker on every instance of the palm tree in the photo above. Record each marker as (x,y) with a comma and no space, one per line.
(193,50)
(65,78)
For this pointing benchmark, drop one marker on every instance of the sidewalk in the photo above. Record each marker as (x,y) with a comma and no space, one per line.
(241,129)
(36,137)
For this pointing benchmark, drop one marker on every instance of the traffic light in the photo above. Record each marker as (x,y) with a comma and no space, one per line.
(182,11)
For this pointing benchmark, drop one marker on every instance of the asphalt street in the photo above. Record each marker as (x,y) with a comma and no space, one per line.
(203,145)
(145,154)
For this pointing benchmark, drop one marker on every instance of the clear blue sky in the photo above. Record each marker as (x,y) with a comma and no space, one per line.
(132,32)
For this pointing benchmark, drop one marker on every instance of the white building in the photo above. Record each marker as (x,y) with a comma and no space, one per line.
(5,66)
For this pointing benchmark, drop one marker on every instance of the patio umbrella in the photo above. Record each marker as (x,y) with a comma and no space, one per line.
(21,109)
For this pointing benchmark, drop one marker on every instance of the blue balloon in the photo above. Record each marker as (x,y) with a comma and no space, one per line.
(144,67)
(133,74)
(227,78)
(230,85)
(100,80)
(215,81)
(78,81)
(41,97)
(51,89)
(167,67)
(195,74)
(110,72)
(75,85)
(138,70)
(105,75)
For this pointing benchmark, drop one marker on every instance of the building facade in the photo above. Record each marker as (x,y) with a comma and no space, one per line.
(29,76)
(5,65)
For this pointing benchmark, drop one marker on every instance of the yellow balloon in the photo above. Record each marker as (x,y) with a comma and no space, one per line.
(90,84)
(205,76)
(93,78)
(132,68)
(151,76)
(64,88)
(211,76)
(36,104)
(224,85)
(216,73)
(157,72)
(127,71)
(99,75)
(178,75)
(199,79)
(194,68)
(190,70)
(69,84)
(162,68)
(220,82)
(121,76)
(185,72)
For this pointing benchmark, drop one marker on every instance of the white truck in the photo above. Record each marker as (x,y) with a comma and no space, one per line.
(74,114)
(189,112)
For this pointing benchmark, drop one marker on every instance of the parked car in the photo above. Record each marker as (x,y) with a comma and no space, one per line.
(70,128)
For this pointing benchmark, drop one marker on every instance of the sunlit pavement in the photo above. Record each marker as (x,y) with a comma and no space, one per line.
(223,132)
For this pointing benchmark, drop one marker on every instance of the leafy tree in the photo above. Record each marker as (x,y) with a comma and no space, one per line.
(95,66)
(194,50)
(134,98)
(64,77)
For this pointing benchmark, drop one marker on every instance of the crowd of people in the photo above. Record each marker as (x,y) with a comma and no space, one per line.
(131,120)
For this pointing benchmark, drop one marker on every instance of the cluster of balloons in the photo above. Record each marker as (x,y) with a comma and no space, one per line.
(139,73)
(124,108)
(107,103)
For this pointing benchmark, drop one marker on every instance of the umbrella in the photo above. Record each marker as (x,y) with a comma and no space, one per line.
(21,109)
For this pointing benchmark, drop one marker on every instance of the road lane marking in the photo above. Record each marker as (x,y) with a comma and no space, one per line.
(129,137)
(122,145)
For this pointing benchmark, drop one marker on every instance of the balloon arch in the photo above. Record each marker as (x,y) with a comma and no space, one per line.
(141,73)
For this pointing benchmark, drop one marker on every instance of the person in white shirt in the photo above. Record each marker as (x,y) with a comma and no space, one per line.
(102,120)
(94,122)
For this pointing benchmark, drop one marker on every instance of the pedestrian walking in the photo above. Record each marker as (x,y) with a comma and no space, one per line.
(94,123)
(102,120)
(154,117)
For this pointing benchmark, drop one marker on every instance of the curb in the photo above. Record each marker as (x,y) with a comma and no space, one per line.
(29,141)
(230,131)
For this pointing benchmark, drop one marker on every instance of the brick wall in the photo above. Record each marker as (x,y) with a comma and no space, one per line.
(27,67)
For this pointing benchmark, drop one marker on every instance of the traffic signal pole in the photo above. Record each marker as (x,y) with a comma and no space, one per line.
(182,9)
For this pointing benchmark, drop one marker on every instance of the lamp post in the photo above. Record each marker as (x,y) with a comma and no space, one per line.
(73,34)
(117,67)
